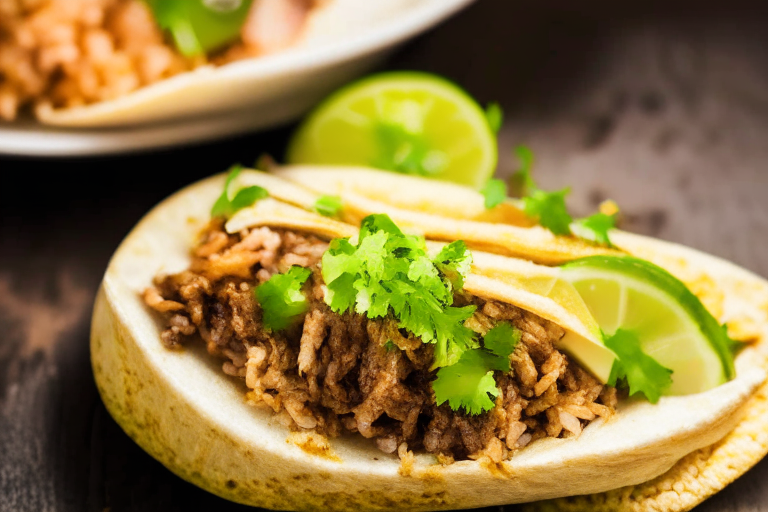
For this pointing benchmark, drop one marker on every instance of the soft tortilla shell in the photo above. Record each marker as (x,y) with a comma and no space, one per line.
(420,205)
(182,409)
(704,472)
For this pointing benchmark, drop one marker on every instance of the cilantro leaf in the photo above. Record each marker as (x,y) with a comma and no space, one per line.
(642,373)
(495,116)
(522,182)
(389,273)
(328,205)
(502,340)
(399,133)
(199,27)
(228,203)
(495,192)
(549,209)
(281,298)
(595,228)
(468,384)
(454,262)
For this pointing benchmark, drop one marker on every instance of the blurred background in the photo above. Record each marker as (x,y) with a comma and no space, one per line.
(661,106)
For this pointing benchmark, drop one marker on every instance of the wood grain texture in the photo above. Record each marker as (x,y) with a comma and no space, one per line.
(662,107)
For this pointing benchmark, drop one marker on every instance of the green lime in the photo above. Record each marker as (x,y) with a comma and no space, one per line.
(672,324)
(409,122)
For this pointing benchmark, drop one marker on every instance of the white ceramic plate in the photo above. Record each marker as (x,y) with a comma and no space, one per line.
(210,103)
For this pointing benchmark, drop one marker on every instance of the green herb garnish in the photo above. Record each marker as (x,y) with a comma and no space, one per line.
(502,339)
(642,373)
(469,384)
(389,273)
(495,116)
(550,211)
(495,192)
(522,183)
(200,26)
(548,208)
(454,262)
(230,201)
(281,298)
(330,206)
(595,228)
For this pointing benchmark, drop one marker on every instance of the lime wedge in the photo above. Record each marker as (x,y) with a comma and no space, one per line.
(409,122)
(673,326)
(543,291)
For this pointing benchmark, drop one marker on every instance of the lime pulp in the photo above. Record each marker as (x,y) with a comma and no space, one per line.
(673,326)
(409,122)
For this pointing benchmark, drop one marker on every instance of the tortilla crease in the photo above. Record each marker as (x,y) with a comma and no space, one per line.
(184,411)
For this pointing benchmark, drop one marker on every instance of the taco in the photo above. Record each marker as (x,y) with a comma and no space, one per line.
(466,379)
(125,62)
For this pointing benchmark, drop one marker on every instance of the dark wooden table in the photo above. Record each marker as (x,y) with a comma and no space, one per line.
(662,106)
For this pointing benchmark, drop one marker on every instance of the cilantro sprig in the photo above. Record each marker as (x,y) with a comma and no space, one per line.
(494,192)
(549,208)
(642,373)
(198,27)
(281,298)
(469,384)
(389,273)
(495,116)
(230,201)
(595,228)
(329,206)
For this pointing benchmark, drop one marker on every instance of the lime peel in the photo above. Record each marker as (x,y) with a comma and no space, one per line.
(410,122)
(674,328)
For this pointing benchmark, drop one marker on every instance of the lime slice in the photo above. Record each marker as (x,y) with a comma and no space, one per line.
(673,326)
(544,292)
(414,123)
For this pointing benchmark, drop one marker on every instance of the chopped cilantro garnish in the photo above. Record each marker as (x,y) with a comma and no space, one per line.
(328,205)
(454,262)
(547,208)
(390,273)
(521,181)
(399,133)
(595,228)
(642,373)
(198,27)
(281,298)
(550,210)
(495,192)
(469,384)
(230,202)
(502,339)
(495,116)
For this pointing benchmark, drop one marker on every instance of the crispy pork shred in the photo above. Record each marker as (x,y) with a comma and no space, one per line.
(335,374)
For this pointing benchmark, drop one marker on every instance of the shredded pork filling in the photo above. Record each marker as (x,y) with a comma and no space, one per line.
(333,373)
